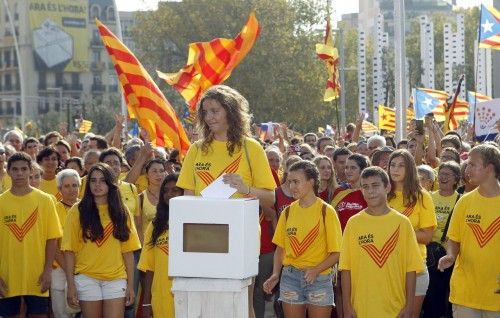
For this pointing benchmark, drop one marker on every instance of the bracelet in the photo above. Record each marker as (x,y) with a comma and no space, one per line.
(249,190)
(146,305)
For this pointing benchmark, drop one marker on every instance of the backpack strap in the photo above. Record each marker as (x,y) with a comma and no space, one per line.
(141,201)
(445,230)
(248,158)
(323,212)
(287,211)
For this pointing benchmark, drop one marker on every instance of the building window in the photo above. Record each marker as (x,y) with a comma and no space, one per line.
(6,57)
(8,82)
(75,79)
(96,56)
(59,79)
(110,13)
(95,11)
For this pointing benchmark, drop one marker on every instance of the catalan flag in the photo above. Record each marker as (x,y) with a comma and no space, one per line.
(328,53)
(489,29)
(144,99)
(433,101)
(211,63)
(84,126)
(474,98)
(387,117)
(368,127)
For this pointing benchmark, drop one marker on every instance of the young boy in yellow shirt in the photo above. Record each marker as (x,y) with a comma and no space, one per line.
(28,242)
(379,257)
(474,240)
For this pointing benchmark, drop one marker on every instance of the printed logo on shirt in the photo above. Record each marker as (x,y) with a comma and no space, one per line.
(299,247)
(482,237)
(379,256)
(108,230)
(20,232)
(348,206)
(207,177)
(162,244)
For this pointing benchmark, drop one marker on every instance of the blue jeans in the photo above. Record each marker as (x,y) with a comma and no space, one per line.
(294,289)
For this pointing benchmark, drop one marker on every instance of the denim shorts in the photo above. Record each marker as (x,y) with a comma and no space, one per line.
(294,289)
(91,289)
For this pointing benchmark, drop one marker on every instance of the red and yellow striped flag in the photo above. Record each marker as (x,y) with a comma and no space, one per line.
(85,126)
(328,53)
(144,99)
(387,117)
(211,63)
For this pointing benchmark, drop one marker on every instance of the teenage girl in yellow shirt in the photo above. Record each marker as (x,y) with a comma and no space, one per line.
(98,244)
(308,239)
(409,198)
(157,298)
(148,199)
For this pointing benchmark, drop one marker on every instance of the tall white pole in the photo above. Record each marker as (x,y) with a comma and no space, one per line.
(400,68)
(19,64)
(342,77)
(120,36)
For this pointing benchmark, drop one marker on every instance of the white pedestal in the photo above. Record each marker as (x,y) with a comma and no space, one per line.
(210,297)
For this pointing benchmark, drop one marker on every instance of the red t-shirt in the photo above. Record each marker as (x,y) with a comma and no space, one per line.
(282,201)
(351,204)
(266,236)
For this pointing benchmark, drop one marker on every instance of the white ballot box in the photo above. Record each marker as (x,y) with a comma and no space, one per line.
(213,238)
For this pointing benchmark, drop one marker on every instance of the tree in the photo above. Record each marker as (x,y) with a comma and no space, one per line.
(282,77)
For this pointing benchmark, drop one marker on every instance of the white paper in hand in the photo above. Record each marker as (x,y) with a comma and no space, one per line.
(218,190)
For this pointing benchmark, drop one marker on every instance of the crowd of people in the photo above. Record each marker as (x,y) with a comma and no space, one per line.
(351,225)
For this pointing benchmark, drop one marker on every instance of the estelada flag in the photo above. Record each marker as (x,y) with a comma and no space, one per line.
(145,101)
(211,63)
(387,117)
(489,28)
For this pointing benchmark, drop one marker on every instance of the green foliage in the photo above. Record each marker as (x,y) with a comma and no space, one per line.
(101,114)
(282,77)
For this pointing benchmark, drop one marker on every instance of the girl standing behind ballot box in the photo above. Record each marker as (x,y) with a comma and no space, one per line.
(226,149)
(308,239)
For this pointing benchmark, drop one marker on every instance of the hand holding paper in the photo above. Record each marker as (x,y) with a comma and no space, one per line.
(218,189)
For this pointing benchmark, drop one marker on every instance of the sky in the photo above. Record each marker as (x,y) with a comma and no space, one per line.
(340,6)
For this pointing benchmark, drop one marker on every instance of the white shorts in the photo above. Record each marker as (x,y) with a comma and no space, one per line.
(91,289)
(422,282)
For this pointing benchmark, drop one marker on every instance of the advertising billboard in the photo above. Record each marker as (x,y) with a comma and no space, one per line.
(60,35)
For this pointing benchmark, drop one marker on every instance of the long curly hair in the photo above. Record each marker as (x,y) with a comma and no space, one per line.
(160,221)
(90,220)
(237,113)
(412,190)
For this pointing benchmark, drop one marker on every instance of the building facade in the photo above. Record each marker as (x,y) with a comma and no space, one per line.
(62,58)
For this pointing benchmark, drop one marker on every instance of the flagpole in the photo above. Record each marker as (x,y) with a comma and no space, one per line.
(123,103)
(20,64)
(476,71)
(400,68)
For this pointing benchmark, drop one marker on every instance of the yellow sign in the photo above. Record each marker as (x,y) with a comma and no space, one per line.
(60,34)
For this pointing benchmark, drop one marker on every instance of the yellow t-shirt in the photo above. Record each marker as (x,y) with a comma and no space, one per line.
(475,224)
(130,197)
(155,259)
(49,186)
(443,206)
(82,187)
(141,183)
(199,169)
(422,215)
(5,183)
(305,238)
(28,222)
(148,211)
(103,258)
(379,251)
(62,211)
